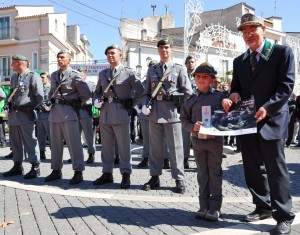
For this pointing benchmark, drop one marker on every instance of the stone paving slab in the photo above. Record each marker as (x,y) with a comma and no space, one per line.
(58,208)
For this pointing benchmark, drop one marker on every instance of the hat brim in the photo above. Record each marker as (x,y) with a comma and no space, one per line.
(257,23)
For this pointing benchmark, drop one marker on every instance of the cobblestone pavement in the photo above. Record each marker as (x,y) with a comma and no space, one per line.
(37,207)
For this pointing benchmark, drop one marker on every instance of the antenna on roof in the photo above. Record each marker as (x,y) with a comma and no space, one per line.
(167,9)
(153,8)
(275,8)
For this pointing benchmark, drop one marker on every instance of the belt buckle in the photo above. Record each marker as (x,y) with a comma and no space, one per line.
(110,99)
(159,97)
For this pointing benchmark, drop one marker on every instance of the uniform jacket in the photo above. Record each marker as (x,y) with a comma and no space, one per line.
(29,95)
(83,112)
(72,88)
(126,86)
(271,83)
(177,81)
(191,111)
(43,114)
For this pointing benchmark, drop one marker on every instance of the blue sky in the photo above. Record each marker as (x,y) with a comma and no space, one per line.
(101,20)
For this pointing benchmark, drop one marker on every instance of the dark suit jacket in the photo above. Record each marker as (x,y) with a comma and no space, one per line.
(271,83)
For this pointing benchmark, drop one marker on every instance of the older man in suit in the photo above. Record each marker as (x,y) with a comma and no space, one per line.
(266,173)
(118,90)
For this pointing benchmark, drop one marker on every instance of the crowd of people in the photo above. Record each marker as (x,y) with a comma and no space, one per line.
(58,110)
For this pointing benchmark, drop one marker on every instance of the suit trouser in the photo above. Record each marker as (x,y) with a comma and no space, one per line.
(109,134)
(208,156)
(43,130)
(68,131)
(24,135)
(267,176)
(173,133)
(86,124)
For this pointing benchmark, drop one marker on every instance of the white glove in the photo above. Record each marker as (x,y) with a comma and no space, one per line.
(48,107)
(138,110)
(145,110)
(6,111)
(98,104)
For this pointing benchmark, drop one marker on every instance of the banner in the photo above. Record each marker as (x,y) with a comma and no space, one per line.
(92,69)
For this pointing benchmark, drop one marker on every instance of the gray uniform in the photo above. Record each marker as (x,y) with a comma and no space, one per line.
(86,120)
(63,117)
(114,117)
(43,127)
(164,118)
(22,115)
(208,152)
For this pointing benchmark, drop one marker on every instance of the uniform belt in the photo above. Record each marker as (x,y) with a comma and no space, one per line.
(62,101)
(164,97)
(201,136)
(113,99)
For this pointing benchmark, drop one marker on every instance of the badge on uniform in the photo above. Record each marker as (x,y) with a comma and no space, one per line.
(153,85)
(23,86)
(206,116)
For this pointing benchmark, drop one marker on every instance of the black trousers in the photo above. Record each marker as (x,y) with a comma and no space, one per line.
(267,176)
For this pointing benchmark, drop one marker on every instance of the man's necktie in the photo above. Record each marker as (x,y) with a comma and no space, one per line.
(253,59)
(114,70)
(164,68)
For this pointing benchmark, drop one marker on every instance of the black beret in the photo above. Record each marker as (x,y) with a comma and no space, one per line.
(113,46)
(165,41)
(82,69)
(152,63)
(205,68)
(250,19)
(20,57)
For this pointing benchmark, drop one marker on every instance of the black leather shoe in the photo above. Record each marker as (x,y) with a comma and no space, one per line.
(153,183)
(10,155)
(180,187)
(77,178)
(186,164)
(166,164)
(125,184)
(283,228)
(91,158)
(117,160)
(17,169)
(143,163)
(55,175)
(105,178)
(257,215)
(34,172)
(42,155)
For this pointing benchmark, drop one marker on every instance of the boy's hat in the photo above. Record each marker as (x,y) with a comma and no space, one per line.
(205,68)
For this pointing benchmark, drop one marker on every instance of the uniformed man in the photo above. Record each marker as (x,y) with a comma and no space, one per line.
(86,118)
(25,96)
(166,84)
(118,90)
(43,127)
(190,63)
(68,92)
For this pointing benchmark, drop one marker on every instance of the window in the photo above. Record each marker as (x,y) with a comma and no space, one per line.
(4,28)
(34,65)
(4,66)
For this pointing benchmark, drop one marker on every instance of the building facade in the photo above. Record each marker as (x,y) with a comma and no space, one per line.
(39,34)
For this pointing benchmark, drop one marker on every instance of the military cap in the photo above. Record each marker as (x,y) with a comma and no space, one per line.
(20,57)
(188,58)
(152,63)
(205,68)
(113,46)
(63,52)
(165,41)
(250,19)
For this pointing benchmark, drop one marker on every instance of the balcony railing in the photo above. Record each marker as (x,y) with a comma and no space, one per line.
(9,33)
